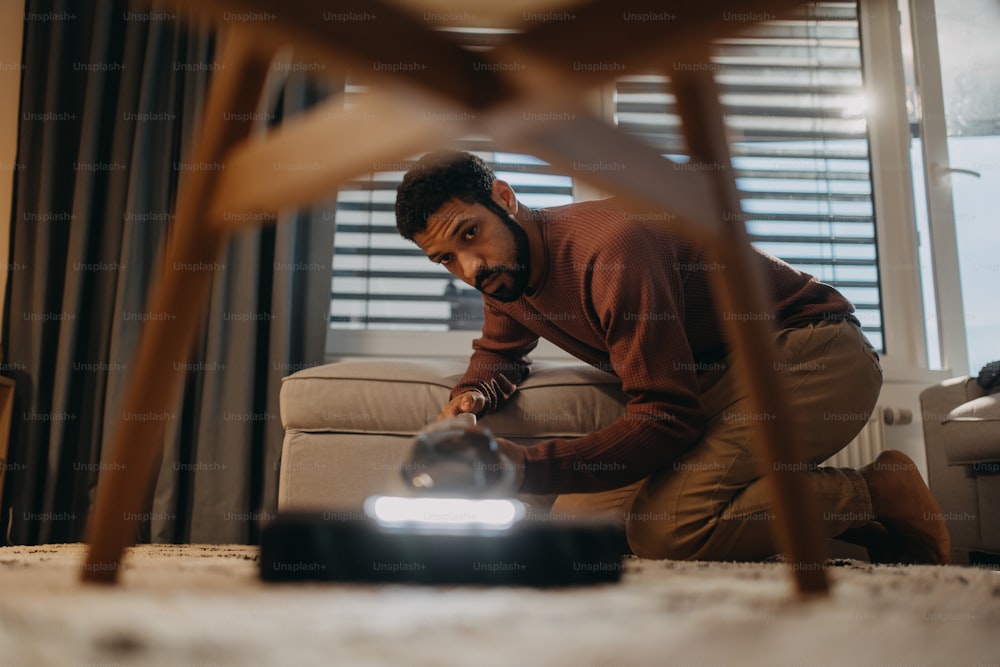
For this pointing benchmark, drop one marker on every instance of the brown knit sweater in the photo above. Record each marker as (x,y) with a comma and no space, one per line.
(633,299)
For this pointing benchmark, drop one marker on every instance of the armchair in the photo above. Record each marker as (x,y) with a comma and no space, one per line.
(962,439)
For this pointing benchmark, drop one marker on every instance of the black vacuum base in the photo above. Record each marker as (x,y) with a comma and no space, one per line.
(312,546)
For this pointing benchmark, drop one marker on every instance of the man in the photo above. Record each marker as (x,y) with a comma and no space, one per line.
(634,298)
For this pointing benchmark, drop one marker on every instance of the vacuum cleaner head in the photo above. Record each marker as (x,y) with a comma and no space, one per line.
(449,517)
(455,458)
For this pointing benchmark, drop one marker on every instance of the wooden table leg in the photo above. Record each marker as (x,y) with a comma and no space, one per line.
(740,289)
(176,309)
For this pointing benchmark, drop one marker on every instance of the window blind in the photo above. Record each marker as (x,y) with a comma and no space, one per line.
(793,98)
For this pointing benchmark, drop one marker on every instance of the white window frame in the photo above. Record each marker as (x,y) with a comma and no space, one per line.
(940,205)
(897,239)
(892,187)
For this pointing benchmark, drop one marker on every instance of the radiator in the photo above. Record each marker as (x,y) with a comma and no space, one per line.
(871,440)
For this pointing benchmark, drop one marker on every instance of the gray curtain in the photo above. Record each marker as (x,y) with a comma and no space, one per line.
(111,101)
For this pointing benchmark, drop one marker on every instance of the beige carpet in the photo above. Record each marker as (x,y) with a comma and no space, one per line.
(204,605)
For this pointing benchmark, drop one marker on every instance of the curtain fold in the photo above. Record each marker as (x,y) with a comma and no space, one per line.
(111,104)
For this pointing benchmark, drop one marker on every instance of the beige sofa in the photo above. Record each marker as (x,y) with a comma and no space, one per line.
(348,425)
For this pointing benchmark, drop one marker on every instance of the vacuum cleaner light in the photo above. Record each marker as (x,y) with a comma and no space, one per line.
(445,513)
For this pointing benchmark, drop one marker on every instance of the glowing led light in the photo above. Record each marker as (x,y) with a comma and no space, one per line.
(448,513)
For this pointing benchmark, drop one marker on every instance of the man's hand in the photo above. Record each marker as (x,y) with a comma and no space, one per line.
(469,401)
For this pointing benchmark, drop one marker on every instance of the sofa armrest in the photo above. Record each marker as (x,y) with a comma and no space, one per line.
(937,401)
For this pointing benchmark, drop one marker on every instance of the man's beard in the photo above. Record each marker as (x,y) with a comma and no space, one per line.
(520,273)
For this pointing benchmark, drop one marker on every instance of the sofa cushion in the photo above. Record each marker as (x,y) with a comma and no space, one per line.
(401,396)
(984,408)
(972,431)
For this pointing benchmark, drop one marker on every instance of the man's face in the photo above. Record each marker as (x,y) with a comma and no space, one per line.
(482,249)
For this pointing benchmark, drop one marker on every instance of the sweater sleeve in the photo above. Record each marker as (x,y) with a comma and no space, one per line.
(499,359)
(640,310)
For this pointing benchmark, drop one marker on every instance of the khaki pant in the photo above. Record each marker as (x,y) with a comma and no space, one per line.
(712,503)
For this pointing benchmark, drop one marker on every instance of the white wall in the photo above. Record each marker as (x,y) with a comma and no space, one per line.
(901,390)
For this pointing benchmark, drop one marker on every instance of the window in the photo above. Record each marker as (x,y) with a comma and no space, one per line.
(795,106)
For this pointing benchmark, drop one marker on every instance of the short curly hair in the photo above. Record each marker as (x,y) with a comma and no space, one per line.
(438,177)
